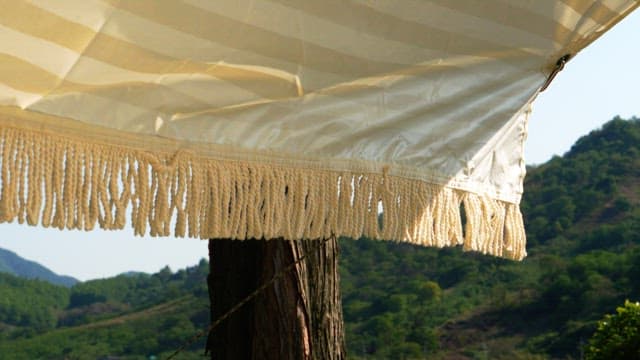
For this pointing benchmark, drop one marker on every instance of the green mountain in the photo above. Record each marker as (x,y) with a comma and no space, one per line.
(14,264)
(582,213)
(130,316)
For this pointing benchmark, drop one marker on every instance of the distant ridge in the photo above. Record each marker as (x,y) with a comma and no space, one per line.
(13,264)
(134,274)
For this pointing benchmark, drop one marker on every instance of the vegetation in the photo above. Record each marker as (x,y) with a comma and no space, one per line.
(618,336)
(400,301)
(134,317)
(583,222)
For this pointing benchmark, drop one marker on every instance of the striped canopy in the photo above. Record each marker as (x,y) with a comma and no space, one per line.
(400,120)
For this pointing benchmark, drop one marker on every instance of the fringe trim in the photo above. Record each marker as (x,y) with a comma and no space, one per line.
(71,183)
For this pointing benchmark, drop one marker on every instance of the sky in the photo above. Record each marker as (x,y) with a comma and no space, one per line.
(601,82)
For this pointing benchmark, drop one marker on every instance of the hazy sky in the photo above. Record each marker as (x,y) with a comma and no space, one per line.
(601,82)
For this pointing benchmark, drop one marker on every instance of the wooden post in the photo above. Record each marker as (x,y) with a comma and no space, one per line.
(298,317)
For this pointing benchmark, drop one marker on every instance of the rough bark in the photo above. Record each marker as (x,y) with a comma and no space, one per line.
(299,316)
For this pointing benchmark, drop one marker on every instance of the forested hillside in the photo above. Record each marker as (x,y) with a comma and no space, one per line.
(583,221)
(400,301)
(131,316)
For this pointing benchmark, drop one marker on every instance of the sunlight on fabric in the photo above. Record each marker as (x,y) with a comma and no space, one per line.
(288,118)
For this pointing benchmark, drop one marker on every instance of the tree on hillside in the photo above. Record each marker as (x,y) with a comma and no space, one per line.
(618,335)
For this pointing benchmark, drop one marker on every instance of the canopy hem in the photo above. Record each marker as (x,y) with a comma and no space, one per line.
(68,182)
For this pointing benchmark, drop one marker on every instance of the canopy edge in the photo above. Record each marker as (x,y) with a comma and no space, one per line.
(68,182)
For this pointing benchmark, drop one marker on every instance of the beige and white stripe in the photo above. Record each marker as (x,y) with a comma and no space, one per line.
(422,104)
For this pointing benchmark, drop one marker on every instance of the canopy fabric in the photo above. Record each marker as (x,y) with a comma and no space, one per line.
(399,120)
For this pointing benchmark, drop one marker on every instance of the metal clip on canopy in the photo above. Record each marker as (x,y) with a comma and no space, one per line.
(559,66)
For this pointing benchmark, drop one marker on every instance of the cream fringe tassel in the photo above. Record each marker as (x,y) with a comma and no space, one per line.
(69,183)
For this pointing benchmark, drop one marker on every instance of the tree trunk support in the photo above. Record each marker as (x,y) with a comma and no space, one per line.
(298,317)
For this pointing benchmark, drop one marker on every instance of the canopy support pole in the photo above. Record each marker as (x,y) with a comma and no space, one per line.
(298,317)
